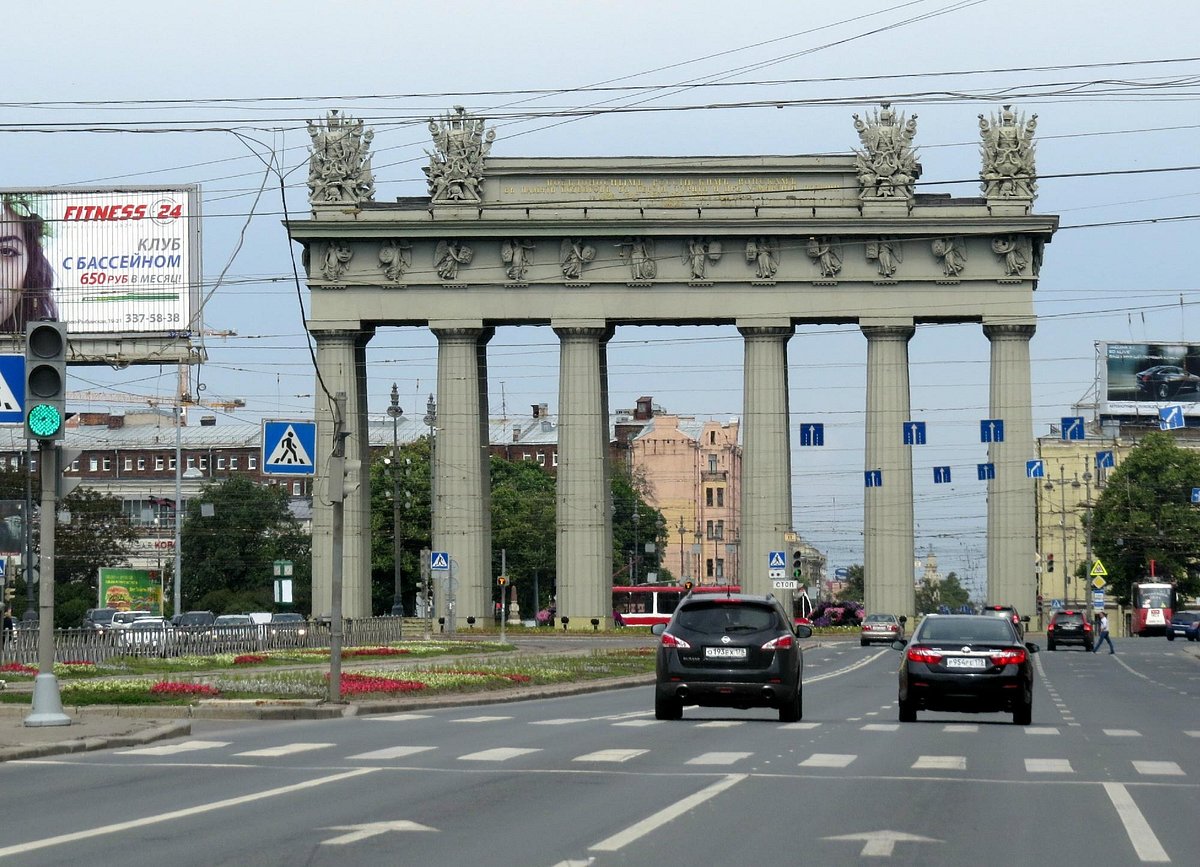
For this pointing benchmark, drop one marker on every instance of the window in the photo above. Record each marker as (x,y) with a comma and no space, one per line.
(107,465)
(708,530)
(171,464)
(554,459)
(712,440)
(203,463)
(191,462)
(93,464)
(541,458)
(251,462)
(708,496)
(721,497)
(526,456)
(74,465)
(710,568)
(297,489)
(719,531)
(233,462)
(712,463)
(220,463)
(720,567)
(158,462)
(142,462)
(128,464)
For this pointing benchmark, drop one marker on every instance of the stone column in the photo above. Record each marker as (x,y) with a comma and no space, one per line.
(888,545)
(1010,517)
(341,358)
(462,479)
(584,533)
(766,462)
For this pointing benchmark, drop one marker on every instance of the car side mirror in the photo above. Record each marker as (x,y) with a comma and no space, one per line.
(1031,647)
(658,628)
(803,631)
(899,644)
(1025,619)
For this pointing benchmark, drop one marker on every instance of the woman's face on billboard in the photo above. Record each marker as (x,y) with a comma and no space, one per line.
(14,262)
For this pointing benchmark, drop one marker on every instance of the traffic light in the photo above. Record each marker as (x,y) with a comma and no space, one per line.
(797,565)
(501,580)
(687,586)
(45,380)
(9,592)
(1049,562)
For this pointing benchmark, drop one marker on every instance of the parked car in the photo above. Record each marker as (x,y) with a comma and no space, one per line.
(969,664)
(1010,614)
(880,627)
(1166,380)
(148,635)
(193,626)
(288,627)
(98,619)
(229,629)
(1184,624)
(122,619)
(1069,627)
(729,650)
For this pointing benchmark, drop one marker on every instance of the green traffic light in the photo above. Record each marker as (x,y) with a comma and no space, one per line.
(44,420)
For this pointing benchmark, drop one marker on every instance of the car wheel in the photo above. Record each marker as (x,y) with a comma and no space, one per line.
(1170,636)
(908,711)
(1050,645)
(862,642)
(1088,648)
(1023,715)
(668,708)
(793,711)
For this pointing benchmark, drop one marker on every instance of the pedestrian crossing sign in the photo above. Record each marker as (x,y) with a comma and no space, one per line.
(289,448)
(12,389)
(1098,570)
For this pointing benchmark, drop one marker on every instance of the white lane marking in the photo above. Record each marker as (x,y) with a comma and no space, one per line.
(940,763)
(637,723)
(970,728)
(497,754)
(667,814)
(370,829)
(610,756)
(718,758)
(1136,827)
(1049,766)
(720,724)
(132,824)
(480,719)
(389,753)
(172,749)
(397,717)
(882,844)
(1122,733)
(284,750)
(880,727)
(1193,734)
(1164,769)
(827,760)
(849,668)
(1041,730)
(800,726)
(564,721)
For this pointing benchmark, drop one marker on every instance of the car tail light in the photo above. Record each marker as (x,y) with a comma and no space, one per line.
(669,640)
(923,654)
(783,642)
(1087,627)
(1009,657)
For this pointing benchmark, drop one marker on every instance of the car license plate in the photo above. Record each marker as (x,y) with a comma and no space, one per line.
(965,662)
(724,653)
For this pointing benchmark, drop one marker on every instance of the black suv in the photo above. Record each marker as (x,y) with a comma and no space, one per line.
(729,650)
(1069,627)
(1010,614)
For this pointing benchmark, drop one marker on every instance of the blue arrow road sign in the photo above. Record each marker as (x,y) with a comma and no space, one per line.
(941,475)
(841,573)
(1104,459)
(439,561)
(812,434)
(1035,469)
(12,389)
(914,433)
(1072,427)
(986,471)
(991,430)
(874,478)
(1196,495)
(776,560)
(289,448)
(1170,417)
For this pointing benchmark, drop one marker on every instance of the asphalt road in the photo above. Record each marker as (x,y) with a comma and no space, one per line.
(1109,773)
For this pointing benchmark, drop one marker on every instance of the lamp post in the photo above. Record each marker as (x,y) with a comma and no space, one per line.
(395,411)
(1062,524)
(635,517)
(430,420)
(1087,529)
(697,550)
(682,567)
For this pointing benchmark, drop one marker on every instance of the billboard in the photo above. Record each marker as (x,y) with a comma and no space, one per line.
(1138,378)
(131,590)
(105,261)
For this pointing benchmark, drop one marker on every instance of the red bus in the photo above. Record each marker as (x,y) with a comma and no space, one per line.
(1153,607)
(647,604)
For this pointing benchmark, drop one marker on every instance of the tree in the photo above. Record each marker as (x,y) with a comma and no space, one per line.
(523,525)
(227,558)
(410,473)
(931,595)
(1144,514)
(99,535)
(853,591)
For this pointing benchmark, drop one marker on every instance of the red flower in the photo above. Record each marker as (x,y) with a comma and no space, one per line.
(249,659)
(360,684)
(375,651)
(167,687)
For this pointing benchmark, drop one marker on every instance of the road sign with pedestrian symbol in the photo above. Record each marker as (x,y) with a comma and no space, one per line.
(289,447)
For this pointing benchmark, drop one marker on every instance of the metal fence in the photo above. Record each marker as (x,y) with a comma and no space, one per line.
(80,645)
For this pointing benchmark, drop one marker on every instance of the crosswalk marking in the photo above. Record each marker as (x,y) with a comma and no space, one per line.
(398,717)
(390,753)
(881,727)
(1122,733)
(497,754)
(172,749)
(1192,734)
(1048,766)
(961,727)
(940,763)
(720,724)
(564,721)
(1041,730)
(827,760)
(610,756)
(284,750)
(1162,769)
(481,719)
(718,758)
(799,726)
(636,723)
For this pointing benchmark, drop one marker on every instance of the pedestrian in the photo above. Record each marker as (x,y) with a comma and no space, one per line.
(8,627)
(1102,635)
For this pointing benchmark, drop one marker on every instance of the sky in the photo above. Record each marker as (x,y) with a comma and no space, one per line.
(217,94)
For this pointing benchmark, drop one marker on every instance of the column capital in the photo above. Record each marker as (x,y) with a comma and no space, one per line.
(469,333)
(583,328)
(341,335)
(766,329)
(1009,330)
(884,330)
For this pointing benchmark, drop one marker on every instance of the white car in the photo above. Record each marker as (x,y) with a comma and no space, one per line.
(147,635)
(121,620)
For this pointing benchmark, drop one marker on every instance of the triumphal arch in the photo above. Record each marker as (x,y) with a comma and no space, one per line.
(588,245)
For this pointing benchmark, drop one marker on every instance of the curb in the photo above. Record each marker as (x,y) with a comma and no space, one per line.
(35,751)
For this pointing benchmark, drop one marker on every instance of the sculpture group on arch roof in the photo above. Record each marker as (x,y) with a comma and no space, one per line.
(339,166)
(456,165)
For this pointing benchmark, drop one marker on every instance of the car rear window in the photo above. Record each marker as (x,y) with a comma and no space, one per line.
(1069,618)
(966,630)
(1187,617)
(720,618)
(880,618)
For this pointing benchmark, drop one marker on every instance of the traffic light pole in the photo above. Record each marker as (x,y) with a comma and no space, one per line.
(47,701)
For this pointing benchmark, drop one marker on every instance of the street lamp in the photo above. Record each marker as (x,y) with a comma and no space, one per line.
(697,550)
(636,517)
(1062,523)
(682,531)
(430,420)
(396,412)
(1087,530)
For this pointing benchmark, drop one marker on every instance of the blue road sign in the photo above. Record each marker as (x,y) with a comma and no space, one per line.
(841,573)
(1196,495)
(1035,469)
(439,561)
(1056,604)
(12,389)
(941,475)
(914,433)
(991,430)
(874,478)
(776,560)
(1170,417)
(1072,427)
(986,471)
(3,567)
(812,434)
(1104,459)
(289,447)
